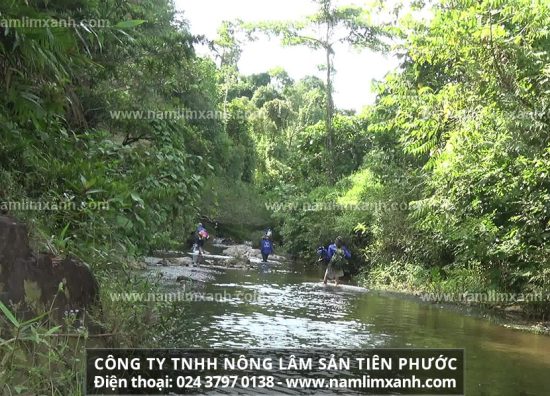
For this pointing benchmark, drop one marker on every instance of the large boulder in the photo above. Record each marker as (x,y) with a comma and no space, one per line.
(239,251)
(33,283)
(246,251)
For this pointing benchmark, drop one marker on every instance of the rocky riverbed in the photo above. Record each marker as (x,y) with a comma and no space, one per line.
(178,265)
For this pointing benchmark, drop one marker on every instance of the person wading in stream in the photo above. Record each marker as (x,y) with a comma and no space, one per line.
(266,247)
(201,235)
(337,254)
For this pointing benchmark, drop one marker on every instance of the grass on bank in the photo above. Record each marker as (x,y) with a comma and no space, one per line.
(458,285)
(43,356)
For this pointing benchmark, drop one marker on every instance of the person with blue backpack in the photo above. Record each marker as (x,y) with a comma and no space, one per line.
(336,257)
(266,247)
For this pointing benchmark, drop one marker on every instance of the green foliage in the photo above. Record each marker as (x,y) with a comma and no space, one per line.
(38,356)
(33,356)
(328,27)
(442,185)
(66,140)
(235,204)
(451,163)
(91,127)
(469,108)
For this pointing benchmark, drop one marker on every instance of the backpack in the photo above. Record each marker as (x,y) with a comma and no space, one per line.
(322,253)
(203,234)
(338,259)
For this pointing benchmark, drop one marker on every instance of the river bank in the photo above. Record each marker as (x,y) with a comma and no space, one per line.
(508,318)
(461,290)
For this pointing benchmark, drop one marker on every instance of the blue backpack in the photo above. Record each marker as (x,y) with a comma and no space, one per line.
(322,252)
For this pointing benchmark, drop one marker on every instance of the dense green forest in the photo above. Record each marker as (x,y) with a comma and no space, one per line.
(441,185)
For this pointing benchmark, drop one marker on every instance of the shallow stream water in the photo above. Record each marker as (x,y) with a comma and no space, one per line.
(286,306)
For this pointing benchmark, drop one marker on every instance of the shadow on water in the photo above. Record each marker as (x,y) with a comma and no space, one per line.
(288,307)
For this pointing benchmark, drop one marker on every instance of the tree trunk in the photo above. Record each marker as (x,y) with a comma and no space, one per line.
(329,114)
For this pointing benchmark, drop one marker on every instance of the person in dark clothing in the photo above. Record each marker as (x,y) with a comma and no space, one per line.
(201,235)
(266,247)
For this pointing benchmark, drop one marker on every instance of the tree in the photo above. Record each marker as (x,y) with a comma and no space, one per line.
(323,31)
(228,50)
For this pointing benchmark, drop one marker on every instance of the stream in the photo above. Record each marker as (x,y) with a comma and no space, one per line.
(284,305)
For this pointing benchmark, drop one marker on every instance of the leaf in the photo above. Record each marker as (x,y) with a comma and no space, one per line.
(130,23)
(94,191)
(140,220)
(137,198)
(9,315)
(53,330)
(64,231)
(124,222)
(36,319)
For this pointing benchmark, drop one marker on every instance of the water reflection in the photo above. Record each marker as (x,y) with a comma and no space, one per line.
(293,309)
